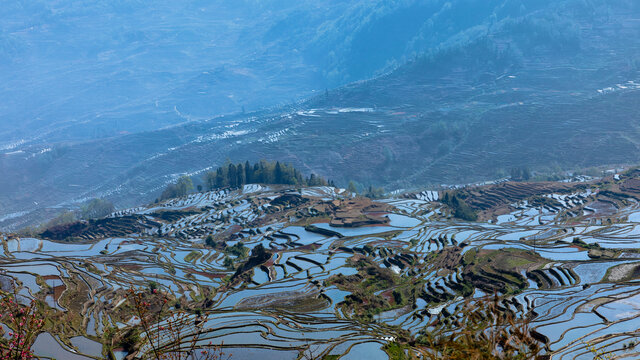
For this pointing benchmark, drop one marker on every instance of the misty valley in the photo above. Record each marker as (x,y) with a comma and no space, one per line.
(301,179)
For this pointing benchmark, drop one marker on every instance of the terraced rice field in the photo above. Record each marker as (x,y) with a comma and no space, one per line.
(301,300)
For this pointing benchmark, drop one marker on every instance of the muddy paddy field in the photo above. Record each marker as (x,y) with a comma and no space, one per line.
(285,273)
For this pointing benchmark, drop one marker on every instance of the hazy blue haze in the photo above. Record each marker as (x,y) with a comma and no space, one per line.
(76,70)
(117,98)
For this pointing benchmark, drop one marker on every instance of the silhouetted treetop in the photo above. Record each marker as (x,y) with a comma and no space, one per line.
(263,172)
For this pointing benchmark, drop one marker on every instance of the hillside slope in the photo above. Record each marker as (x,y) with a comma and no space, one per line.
(557,88)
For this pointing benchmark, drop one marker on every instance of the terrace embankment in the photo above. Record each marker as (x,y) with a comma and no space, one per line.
(100,228)
(296,301)
(358,212)
(344,212)
(271,274)
(601,197)
(375,289)
(491,200)
(499,270)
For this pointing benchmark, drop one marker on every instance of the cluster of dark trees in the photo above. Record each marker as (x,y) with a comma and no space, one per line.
(263,172)
(236,175)
(460,209)
(96,208)
(179,188)
(371,191)
(520,174)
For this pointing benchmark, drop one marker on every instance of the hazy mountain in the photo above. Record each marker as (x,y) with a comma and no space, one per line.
(78,70)
(463,96)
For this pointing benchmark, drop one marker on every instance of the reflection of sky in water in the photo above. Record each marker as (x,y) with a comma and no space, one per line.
(505,218)
(365,230)
(516,235)
(634,217)
(322,263)
(403,221)
(46,345)
(621,309)
(592,272)
(368,350)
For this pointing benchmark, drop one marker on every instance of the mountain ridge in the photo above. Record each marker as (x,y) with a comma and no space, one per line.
(463,113)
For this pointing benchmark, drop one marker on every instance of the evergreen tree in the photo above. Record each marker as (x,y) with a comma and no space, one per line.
(180,188)
(232,176)
(446,199)
(210,180)
(266,172)
(220,178)
(459,207)
(248,172)
(257,176)
(352,187)
(240,179)
(236,175)
(185,185)
(277,174)
(97,208)
(299,178)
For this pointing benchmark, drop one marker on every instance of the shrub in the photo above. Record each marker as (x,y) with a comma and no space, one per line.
(167,333)
(24,324)
(480,331)
(97,208)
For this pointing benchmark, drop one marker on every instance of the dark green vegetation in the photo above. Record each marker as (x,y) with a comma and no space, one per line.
(263,172)
(238,250)
(459,207)
(521,173)
(63,218)
(370,191)
(259,255)
(374,289)
(237,175)
(180,188)
(96,208)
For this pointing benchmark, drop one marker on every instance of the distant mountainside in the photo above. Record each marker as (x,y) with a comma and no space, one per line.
(77,71)
(543,84)
(83,70)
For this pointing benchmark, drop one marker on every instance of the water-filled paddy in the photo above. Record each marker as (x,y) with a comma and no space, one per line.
(286,305)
